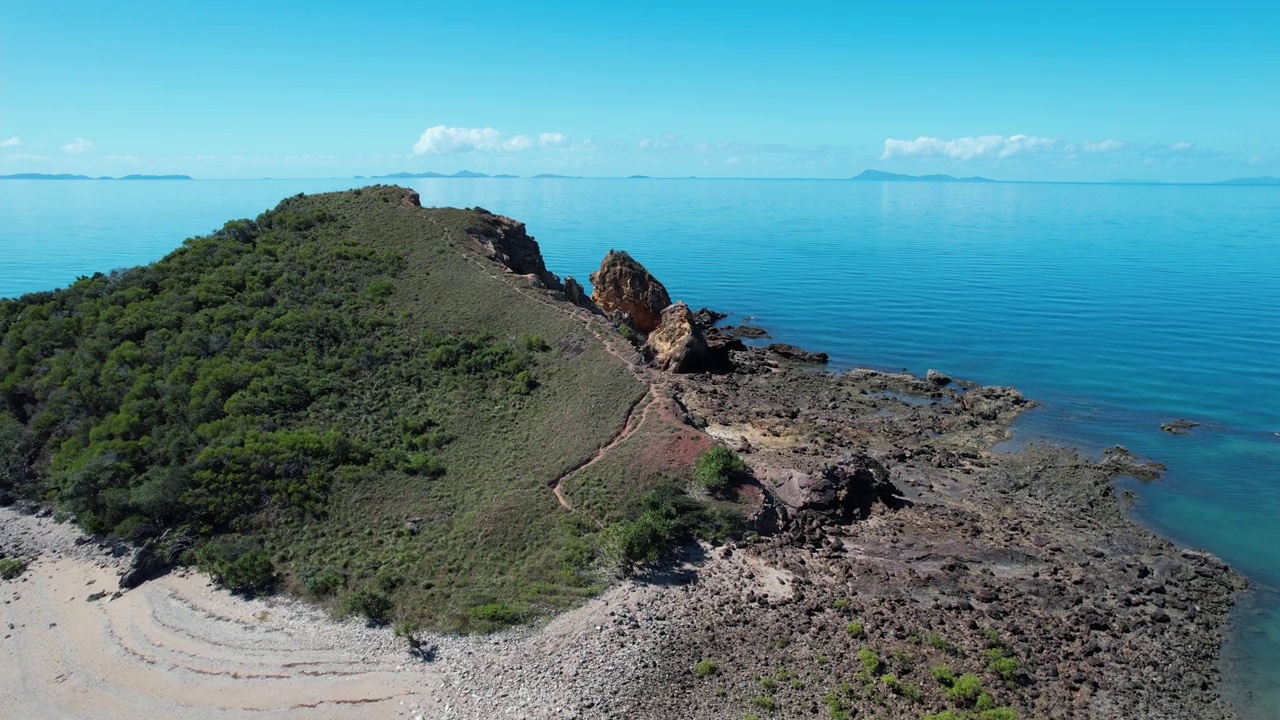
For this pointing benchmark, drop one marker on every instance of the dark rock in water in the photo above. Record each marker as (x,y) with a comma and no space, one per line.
(748,331)
(506,241)
(937,378)
(678,344)
(1179,426)
(576,294)
(791,352)
(990,402)
(622,284)
(708,317)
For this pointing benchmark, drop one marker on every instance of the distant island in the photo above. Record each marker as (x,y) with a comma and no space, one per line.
(1265,180)
(545,176)
(639,177)
(882,176)
(68,176)
(459,174)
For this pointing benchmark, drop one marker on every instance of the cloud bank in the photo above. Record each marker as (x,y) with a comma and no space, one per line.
(967,148)
(11,142)
(443,140)
(77,146)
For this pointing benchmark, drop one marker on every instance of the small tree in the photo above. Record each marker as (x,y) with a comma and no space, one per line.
(716,467)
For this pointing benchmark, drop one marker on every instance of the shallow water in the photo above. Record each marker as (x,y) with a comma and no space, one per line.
(1118,306)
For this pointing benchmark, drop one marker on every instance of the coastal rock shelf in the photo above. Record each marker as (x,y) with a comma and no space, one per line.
(512,447)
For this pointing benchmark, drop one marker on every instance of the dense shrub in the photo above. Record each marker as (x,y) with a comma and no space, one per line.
(373,605)
(11,568)
(716,467)
(240,570)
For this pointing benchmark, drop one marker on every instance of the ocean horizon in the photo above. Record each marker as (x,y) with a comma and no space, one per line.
(1117,306)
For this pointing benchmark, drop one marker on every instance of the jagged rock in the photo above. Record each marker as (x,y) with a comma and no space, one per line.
(719,346)
(937,378)
(708,317)
(505,241)
(148,563)
(677,343)
(748,331)
(791,352)
(1179,426)
(991,401)
(576,294)
(624,285)
(844,491)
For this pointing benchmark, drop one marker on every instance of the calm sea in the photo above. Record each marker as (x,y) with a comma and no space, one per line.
(1117,306)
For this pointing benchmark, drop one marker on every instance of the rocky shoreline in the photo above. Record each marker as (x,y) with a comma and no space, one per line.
(897,567)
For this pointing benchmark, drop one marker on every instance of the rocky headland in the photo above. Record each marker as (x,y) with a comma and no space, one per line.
(895,565)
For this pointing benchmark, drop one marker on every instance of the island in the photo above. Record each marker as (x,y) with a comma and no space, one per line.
(399,418)
(881,176)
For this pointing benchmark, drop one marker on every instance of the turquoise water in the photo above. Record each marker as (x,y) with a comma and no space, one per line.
(1117,306)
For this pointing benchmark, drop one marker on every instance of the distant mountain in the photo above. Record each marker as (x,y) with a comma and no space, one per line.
(880,175)
(507,176)
(1265,180)
(68,176)
(408,175)
(459,174)
(638,177)
(550,175)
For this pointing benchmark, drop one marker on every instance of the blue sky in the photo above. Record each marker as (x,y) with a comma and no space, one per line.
(1184,91)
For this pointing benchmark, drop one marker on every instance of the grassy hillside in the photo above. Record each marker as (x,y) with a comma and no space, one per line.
(338,393)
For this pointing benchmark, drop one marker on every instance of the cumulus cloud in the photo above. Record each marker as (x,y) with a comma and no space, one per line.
(1105,146)
(1258,160)
(967,148)
(1180,147)
(77,146)
(444,140)
(11,142)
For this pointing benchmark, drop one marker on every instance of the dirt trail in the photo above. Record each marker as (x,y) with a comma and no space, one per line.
(612,342)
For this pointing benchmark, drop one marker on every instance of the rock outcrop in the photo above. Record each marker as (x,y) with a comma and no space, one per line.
(844,491)
(622,285)
(796,354)
(507,242)
(576,294)
(677,343)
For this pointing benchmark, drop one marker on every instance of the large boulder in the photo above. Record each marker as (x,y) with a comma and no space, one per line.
(576,294)
(842,492)
(624,286)
(677,343)
(507,242)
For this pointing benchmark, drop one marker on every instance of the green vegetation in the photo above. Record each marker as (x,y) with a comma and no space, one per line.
(870,661)
(715,468)
(836,706)
(1001,664)
(705,668)
(965,689)
(854,629)
(335,399)
(11,567)
(763,702)
(944,674)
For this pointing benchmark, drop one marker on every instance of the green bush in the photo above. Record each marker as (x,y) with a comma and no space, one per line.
(239,569)
(11,567)
(321,582)
(373,605)
(380,289)
(854,629)
(944,674)
(705,668)
(716,467)
(965,689)
(870,661)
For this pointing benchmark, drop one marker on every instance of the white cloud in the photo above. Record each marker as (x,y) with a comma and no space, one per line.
(77,146)
(1258,160)
(11,142)
(443,140)
(967,148)
(1103,147)
(1180,147)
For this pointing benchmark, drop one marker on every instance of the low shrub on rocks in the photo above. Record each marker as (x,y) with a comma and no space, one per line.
(11,568)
